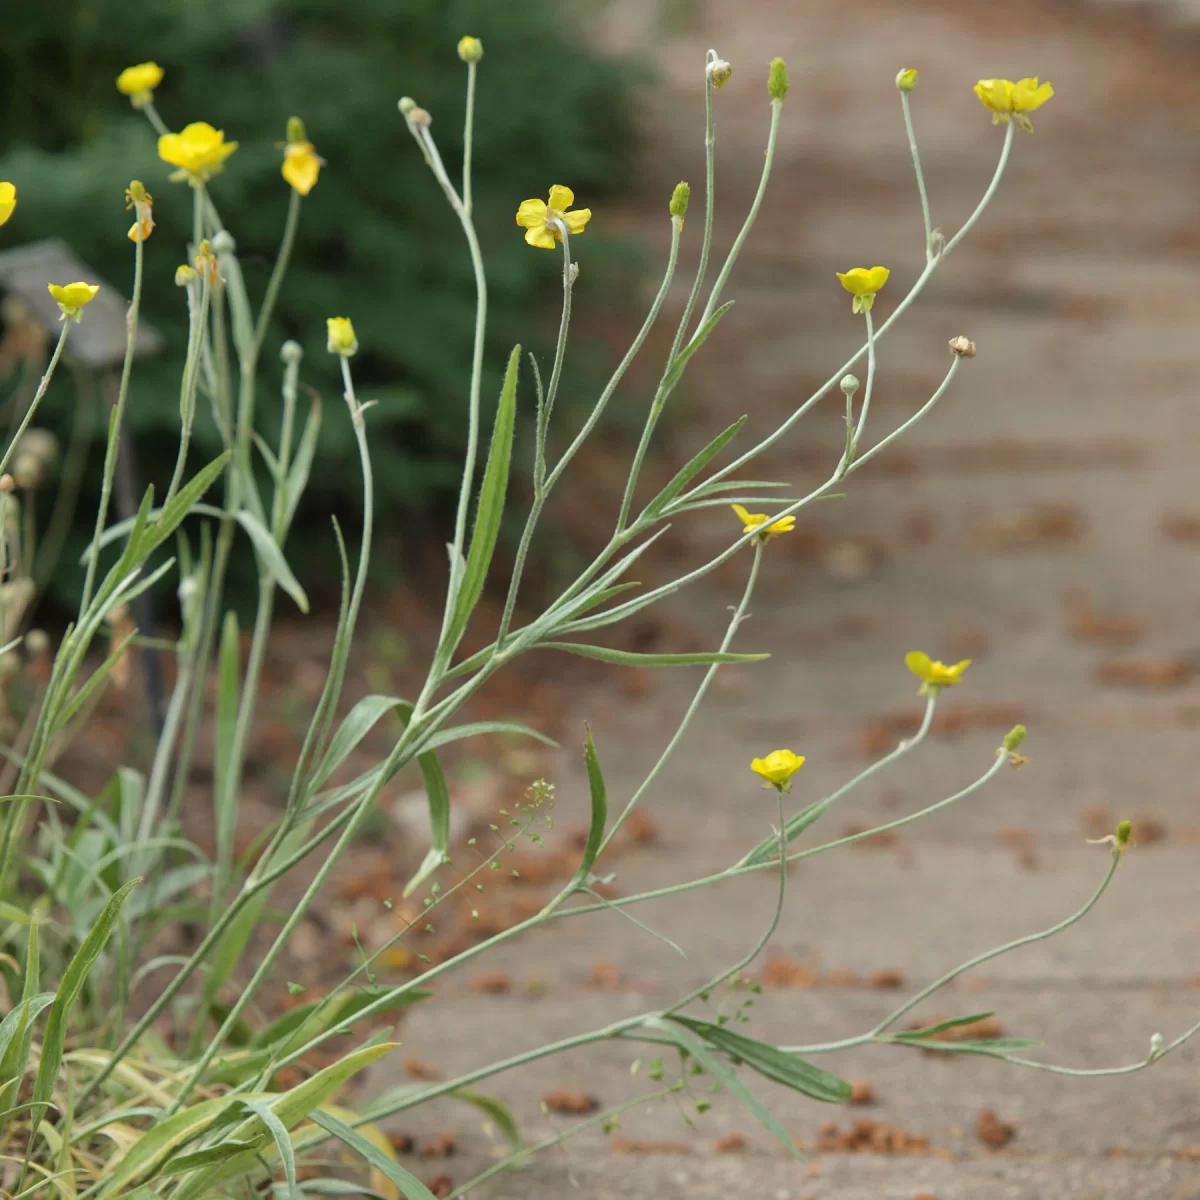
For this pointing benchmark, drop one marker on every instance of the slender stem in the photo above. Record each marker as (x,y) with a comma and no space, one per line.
(198,327)
(880,1029)
(917,416)
(543,426)
(1089,1072)
(281,266)
(897,313)
(114,425)
(869,389)
(606,395)
(37,396)
(758,946)
(751,217)
(916,157)
(969,224)
(155,120)
(468,138)
(739,615)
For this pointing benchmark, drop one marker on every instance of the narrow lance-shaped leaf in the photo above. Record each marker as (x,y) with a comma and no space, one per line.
(68,990)
(629,658)
(438,793)
(693,468)
(410,1186)
(225,802)
(771,1062)
(599,796)
(491,504)
(684,356)
(297,479)
(272,557)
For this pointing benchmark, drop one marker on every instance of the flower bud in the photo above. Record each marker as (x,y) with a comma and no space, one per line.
(719,72)
(223,242)
(291,352)
(1124,831)
(418,118)
(1156,1046)
(206,263)
(184,275)
(296,133)
(342,339)
(406,105)
(679,201)
(470,49)
(849,384)
(777,80)
(963,347)
(1014,737)
(906,80)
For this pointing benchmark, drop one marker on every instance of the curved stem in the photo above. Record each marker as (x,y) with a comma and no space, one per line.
(37,396)
(751,217)
(869,389)
(118,415)
(969,224)
(469,137)
(281,266)
(916,157)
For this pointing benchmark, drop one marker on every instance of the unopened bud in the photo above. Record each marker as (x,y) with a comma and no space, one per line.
(406,104)
(1156,1046)
(206,263)
(341,336)
(291,352)
(1124,831)
(906,80)
(223,242)
(719,72)
(295,131)
(1014,737)
(184,275)
(849,384)
(777,80)
(470,49)
(136,193)
(679,200)
(963,347)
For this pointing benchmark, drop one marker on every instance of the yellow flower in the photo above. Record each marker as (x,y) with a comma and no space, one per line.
(540,220)
(138,83)
(342,339)
(8,201)
(199,151)
(778,768)
(754,521)
(1005,99)
(470,49)
(136,197)
(862,283)
(933,674)
(72,297)
(301,165)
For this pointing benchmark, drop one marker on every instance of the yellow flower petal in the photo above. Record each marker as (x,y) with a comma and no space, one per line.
(576,220)
(541,238)
(72,297)
(561,198)
(301,166)
(8,201)
(532,213)
(919,663)
(778,767)
(877,277)
(995,94)
(1028,95)
(341,336)
(144,77)
(198,149)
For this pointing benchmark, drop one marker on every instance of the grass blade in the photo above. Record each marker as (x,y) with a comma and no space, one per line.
(629,658)
(410,1186)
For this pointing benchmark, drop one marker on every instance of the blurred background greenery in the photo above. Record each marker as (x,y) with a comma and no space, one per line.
(377,241)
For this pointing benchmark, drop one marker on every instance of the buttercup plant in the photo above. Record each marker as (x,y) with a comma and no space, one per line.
(99,1088)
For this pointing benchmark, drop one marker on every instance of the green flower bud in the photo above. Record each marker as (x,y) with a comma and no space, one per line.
(291,352)
(679,200)
(295,131)
(1014,737)
(184,275)
(406,104)
(777,80)
(849,384)
(1124,830)
(223,242)
(906,80)
(470,49)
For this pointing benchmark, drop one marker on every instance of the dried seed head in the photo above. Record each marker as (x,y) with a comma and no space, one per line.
(719,72)
(963,347)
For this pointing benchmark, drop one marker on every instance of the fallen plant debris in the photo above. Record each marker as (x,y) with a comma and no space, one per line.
(441,1186)
(570,1101)
(993,1132)
(492,983)
(868,1136)
(418,1068)
(887,978)
(1020,841)
(730,1143)
(440,1145)
(862,1091)
(620,1144)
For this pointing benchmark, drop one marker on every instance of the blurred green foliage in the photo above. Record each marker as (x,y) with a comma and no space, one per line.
(377,240)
